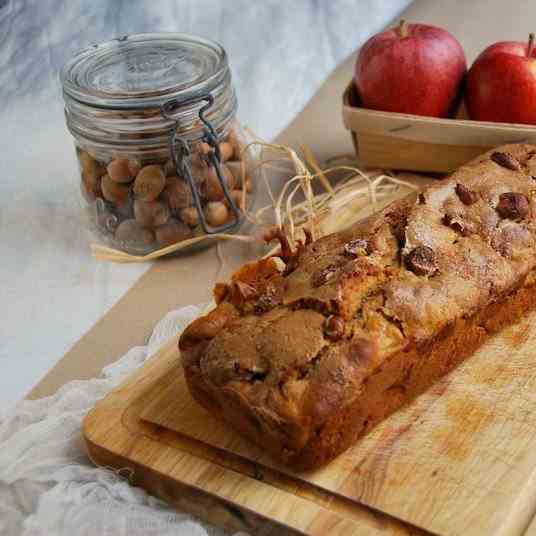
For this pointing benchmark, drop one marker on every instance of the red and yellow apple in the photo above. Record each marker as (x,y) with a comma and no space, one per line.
(501,84)
(413,69)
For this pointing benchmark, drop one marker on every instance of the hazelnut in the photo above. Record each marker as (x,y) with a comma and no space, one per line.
(149,183)
(200,151)
(131,233)
(169,168)
(89,166)
(114,192)
(212,187)
(467,197)
(202,147)
(120,170)
(172,232)
(513,205)
(216,213)
(322,276)
(226,151)
(199,174)
(134,166)
(90,186)
(357,247)
(190,216)
(421,261)
(334,328)
(177,194)
(91,172)
(237,141)
(150,213)
(270,297)
(506,160)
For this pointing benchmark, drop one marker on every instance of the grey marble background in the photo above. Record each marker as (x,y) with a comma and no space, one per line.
(51,290)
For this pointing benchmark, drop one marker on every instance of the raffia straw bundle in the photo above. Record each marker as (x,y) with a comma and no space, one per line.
(337,205)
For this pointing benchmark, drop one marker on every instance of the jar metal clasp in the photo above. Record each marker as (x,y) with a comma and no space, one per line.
(181,155)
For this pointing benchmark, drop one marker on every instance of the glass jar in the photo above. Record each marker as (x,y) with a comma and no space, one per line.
(161,154)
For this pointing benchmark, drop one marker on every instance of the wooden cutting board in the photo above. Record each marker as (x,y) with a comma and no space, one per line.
(461,459)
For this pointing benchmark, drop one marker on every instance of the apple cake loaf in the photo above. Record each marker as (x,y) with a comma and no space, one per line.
(307,350)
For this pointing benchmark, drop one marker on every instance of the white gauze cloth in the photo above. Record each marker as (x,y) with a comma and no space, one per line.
(48,485)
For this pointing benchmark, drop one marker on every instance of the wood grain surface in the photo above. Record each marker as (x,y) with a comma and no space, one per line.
(232,491)
(459,460)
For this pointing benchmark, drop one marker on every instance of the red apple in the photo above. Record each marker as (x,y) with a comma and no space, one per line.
(413,69)
(501,84)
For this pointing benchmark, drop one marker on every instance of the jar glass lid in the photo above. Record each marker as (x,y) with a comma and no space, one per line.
(144,70)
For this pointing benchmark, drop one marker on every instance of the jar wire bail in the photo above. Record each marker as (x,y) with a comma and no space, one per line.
(181,155)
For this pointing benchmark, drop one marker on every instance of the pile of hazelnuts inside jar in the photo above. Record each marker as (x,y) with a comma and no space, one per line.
(141,205)
(162,155)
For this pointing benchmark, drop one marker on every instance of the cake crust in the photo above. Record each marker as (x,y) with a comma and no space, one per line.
(306,352)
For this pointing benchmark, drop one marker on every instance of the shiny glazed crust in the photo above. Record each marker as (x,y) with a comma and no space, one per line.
(304,356)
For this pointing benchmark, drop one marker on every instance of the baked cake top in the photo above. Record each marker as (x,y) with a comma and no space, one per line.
(296,340)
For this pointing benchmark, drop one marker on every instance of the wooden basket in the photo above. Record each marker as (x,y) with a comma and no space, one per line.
(411,142)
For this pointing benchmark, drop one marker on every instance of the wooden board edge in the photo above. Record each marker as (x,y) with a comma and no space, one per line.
(209,508)
(105,449)
(213,507)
